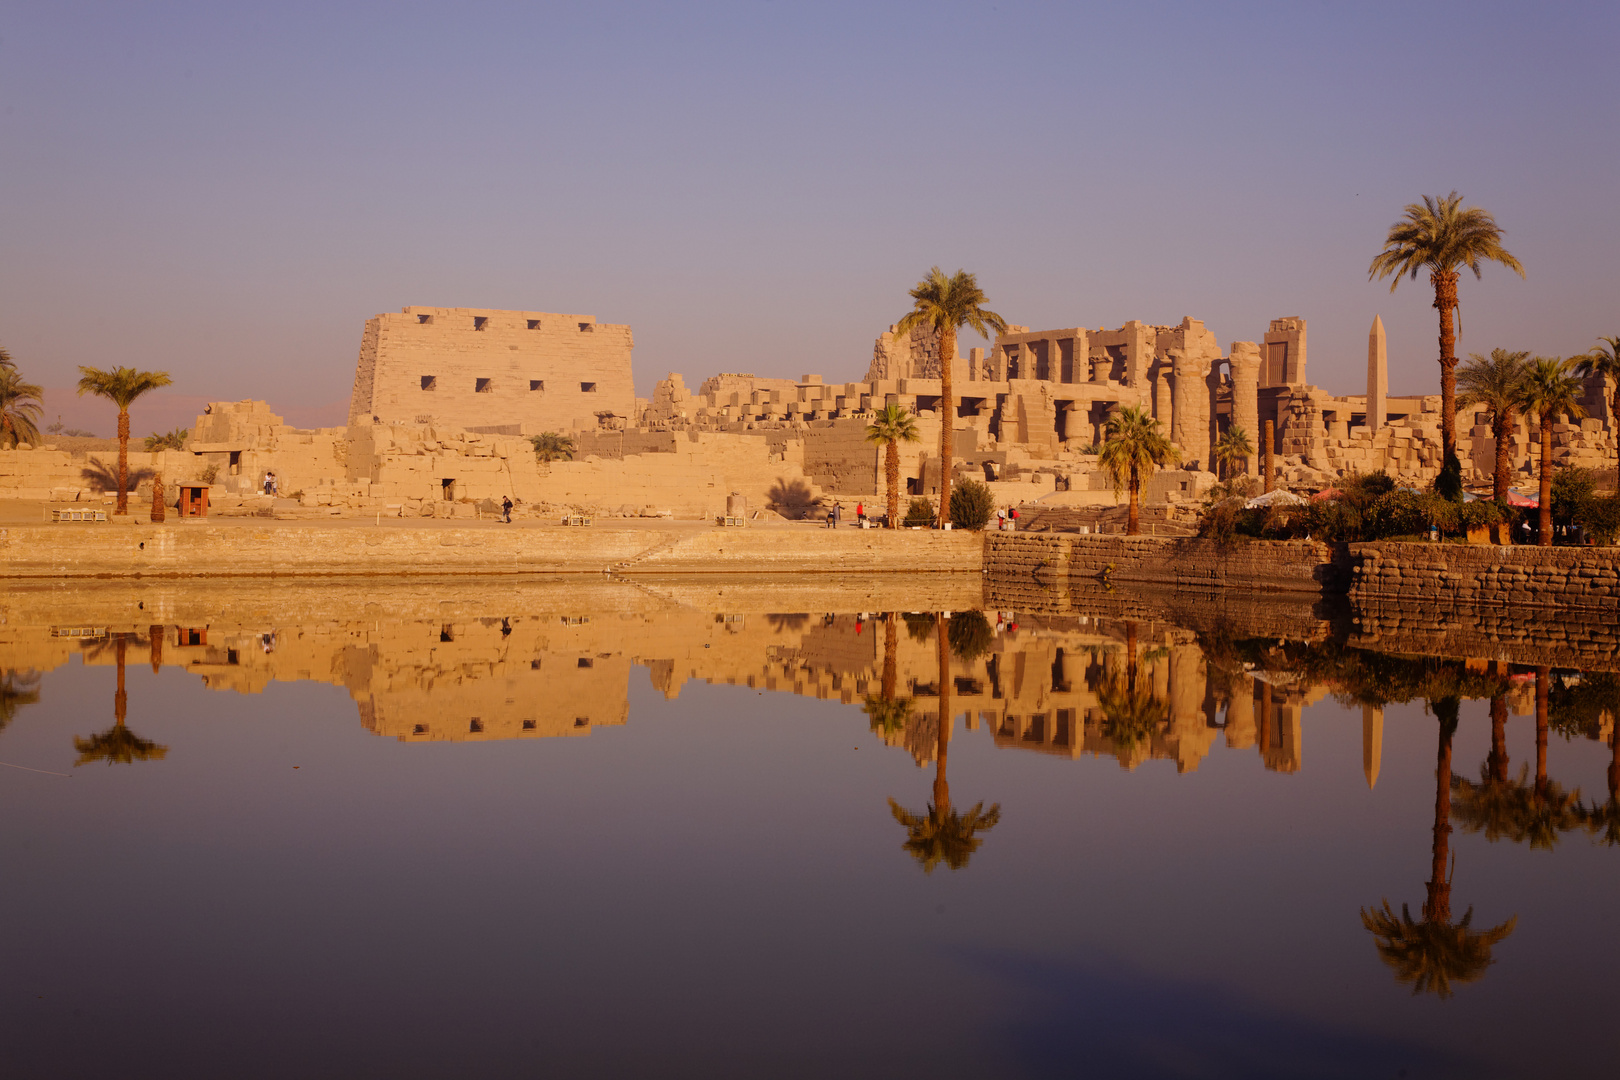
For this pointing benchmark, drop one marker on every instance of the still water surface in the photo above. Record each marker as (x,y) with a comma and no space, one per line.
(642,837)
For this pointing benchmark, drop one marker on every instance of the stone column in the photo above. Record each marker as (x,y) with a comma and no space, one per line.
(1267,441)
(1240,714)
(1246,396)
(1189,425)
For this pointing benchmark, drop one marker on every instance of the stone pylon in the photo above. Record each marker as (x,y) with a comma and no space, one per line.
(1245,365)
(1377,377)
(1372,742)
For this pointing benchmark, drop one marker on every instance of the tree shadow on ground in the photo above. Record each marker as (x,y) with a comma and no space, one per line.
(102,477)
(791,498)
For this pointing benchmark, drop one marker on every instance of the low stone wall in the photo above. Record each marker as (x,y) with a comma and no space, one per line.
(1452,575)
(195,550)
(1292,566)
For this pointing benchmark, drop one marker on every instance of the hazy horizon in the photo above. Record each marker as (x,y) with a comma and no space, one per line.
(229,193)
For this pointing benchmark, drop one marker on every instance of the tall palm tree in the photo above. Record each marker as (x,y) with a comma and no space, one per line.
(943,834)
(945,305)
(1497,384)
(1442,236)
(889,428)
(1431,953)
(121,386)
(19,408)
(1232,447)
(1551,388)
(118,744)
(1604,360)
(1133,447)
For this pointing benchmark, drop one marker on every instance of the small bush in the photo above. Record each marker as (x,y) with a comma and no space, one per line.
(209,473)
(1600,518)
(920,512)
(971,504)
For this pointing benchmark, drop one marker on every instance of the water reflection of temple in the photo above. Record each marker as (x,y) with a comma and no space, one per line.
(1038,685)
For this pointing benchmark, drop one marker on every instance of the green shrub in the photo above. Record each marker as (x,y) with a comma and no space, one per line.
(1600,518)
(920,512)
(971,504)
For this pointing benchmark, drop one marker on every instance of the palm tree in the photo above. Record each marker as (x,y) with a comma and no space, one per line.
(887,713)
(942,834)
(121,386)
(170,440)
(889,428)
(19,408)
(550,446)
(1604,361)
(1551,388)
(1441,235)
(1498,385)
(1232,447)
(1431,953)
(1133,448)
(945,305)
(118,744)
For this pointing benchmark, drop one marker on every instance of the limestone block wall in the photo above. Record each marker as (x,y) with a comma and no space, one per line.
(476,367)
(1290,566)
(1459,574)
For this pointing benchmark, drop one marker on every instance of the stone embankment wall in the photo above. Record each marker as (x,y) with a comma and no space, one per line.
(1446,575)
(1292,566)
(1581,637)
(190,550)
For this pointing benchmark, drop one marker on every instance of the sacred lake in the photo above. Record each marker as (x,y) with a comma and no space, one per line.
(717,827)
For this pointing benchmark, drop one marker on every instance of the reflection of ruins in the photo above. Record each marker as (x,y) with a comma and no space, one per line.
(1040,686)
(474,661)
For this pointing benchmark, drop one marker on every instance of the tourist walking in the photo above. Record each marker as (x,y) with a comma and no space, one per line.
(860,515)
(506,509)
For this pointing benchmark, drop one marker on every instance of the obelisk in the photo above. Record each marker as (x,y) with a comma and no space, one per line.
(1377,377)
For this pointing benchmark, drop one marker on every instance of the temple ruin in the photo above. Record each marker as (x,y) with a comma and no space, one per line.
(445,400)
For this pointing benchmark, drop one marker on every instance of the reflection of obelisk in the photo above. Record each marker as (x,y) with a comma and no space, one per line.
(1372,742)
(1377,377)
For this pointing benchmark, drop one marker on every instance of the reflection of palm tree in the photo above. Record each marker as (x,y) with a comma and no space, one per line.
(16,688)
(888,714)
(943,835)
(1433,952)
(118,744)
(1606,818)
(787,622)
(1130,713)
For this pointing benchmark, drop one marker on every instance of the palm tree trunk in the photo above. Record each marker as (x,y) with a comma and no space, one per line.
(1504,460)
(1130,659)
(947,420)
(1614,427)
(1438,907)
(154,641)
(1543,690)
(1445,298)
(1133,524)
(891,660)
(891,470)
(1545,517)
(942,788)
(123,461)
(120,699)
(1499,754)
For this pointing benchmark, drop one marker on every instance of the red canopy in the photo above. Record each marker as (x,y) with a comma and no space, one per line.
(1516,498)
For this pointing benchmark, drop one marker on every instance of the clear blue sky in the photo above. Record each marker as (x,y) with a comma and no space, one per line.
(228,191)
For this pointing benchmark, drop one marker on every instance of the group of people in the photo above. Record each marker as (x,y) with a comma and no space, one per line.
(835,515)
